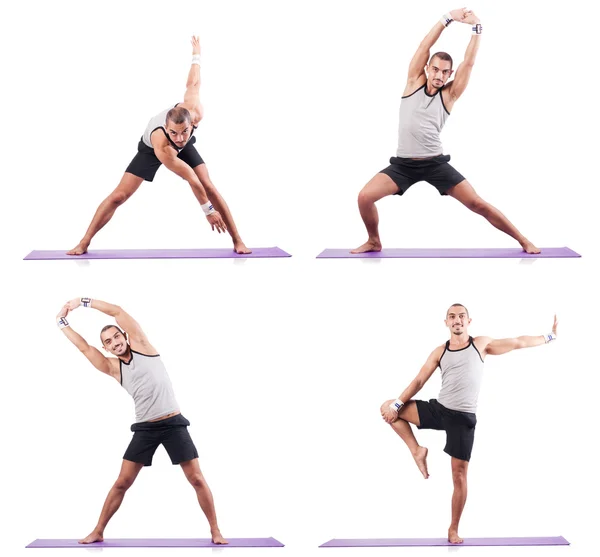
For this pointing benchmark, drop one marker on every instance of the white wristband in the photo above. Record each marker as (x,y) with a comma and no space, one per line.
(208,208)
(549,337)
(396,405)
(446,19)
(62,322)
(85,302)
(477,29)
(196,59)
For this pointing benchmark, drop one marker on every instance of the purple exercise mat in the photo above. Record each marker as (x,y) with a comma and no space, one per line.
(206,253)
(421,542)
(420,253)
(161,542)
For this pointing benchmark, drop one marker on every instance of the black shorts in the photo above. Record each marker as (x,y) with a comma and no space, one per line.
(171,432)
(145,163)
(459,427)
(436,171)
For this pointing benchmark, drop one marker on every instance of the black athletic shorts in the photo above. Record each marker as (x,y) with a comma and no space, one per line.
(171,432)
(436,171)
(459,427)
(145,163)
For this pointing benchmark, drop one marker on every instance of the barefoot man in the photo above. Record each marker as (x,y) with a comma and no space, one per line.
(426,104)
(140,371)
(461,363)
(169,140)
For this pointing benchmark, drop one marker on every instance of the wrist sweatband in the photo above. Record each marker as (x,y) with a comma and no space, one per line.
(397,405)
(196,59)
(208,208)
(549,337)
(62,322)
(477,29)
(86,302)
(446,19)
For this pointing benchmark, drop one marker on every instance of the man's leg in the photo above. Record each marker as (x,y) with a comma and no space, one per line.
(129,471)
(192,472)
(465,193)
(459,496)
(219,204)
(379,186)
(126,188)
(409,415)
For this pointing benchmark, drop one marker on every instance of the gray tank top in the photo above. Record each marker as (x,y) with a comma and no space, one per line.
(462,373)
(422,118)
(158,122)
(145,379)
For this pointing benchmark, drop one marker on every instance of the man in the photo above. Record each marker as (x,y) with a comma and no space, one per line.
(426,104)
(169,140)
(461,362)
(139,369)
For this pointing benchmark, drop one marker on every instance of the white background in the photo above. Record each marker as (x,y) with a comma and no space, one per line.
(281,365)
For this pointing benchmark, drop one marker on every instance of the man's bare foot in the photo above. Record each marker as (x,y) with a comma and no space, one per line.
(528,247)
(79,249)
(93,537)
(217,538)
(453,536)
(369,245)
(420,457)
(240,247)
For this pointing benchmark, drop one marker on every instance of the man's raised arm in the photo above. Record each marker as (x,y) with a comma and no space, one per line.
(127,323)
(191,98)
(99,361)
(420,59)
(458,85)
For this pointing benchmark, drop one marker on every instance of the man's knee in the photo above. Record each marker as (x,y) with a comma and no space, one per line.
(459,475)
(118,197)
(365,197)
(123,483)
(197,480)
(479,206)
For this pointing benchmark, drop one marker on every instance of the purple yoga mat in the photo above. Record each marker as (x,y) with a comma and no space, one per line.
(161,542)
(156,254)
(421,253)
(421,542)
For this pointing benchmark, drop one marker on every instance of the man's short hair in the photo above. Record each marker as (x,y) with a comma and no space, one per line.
(457,305)
(105,328)
(442,56)
(179,115)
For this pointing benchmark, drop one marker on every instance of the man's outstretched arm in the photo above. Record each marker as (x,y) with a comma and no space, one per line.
(420,59)
(463,73)
(496,347)
(94,356)
(191,98)
(390,414)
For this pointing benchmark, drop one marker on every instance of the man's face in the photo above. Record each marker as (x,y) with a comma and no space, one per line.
(438,72)
(179,133)
(114,341)
(457,320)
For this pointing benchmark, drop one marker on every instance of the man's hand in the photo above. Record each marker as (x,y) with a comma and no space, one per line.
(216,221)
(470,18)
(63,312)
(73,304)
(554,326)
(460,14)
(195,45)
(389,415)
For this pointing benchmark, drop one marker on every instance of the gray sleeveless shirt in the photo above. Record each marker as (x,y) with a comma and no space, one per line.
(462,373)
(158,122)
(422,118)
(145,379)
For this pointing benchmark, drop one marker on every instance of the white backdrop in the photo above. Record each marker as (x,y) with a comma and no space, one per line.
(281,365)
